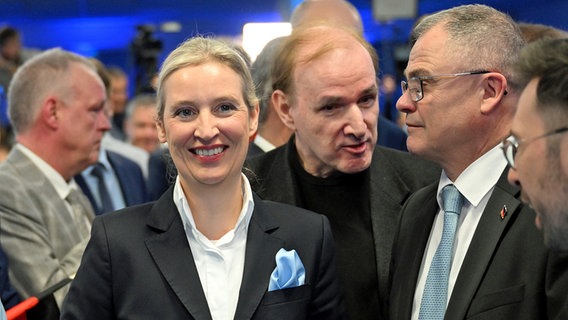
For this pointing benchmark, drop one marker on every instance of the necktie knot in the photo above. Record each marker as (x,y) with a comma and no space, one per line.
(81,211)
(452,199)
(98,170)
(73,197)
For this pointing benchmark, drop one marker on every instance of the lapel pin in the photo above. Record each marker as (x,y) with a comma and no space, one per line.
(503,212)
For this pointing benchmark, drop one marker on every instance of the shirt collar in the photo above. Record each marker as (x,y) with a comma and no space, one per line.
(185,211)
(478,178)
(103,160)
(263,144)
(61,186)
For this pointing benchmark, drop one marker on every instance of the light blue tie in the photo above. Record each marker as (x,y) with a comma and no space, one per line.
(435,295)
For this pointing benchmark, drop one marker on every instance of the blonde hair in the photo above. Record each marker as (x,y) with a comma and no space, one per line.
(197,51)
(325,38)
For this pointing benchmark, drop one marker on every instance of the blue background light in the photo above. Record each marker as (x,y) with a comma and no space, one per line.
(105,28)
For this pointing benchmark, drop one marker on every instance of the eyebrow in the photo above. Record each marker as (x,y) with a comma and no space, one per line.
(230,98)
(416,73)
(215,101)
(326,100)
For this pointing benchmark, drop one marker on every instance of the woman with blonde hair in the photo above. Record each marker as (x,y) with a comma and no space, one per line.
(209,248)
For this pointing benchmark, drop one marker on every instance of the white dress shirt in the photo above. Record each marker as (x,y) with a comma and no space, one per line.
(220,263)
(476,184)
(263,144)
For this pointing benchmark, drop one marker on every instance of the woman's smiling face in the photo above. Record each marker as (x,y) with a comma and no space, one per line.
(206,123)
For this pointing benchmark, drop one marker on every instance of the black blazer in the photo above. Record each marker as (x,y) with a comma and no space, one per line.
(254,150)
(394,176)
(507,272)
(8,295)
(129,174)
(138,265)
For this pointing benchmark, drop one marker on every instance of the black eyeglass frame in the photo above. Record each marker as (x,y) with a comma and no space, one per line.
(418,95)
(511,145)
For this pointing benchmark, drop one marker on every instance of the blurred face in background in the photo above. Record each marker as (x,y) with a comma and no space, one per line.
(118,93)
(141,128)
(11,48)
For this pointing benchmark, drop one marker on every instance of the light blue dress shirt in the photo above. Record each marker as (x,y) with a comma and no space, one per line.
(2,312)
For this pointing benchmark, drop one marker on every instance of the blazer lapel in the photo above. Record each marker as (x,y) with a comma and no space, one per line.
(388,193)
(127,182)
(278,174)
(172,254)
(28,171)
(260,261)
(484,243)
(83,185)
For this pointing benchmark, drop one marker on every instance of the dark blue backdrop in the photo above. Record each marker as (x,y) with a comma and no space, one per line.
(105,28)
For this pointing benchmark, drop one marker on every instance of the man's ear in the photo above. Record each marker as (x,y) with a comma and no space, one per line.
(495,89)
(281,104)
(563,154)
(253,120)
(50,112)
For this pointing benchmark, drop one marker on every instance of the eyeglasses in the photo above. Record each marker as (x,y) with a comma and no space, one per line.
(511,144)
(416,90)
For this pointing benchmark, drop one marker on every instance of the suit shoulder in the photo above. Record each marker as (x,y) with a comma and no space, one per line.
(402,158)
(287,212)
(121,160)
(264,160)
(406,163)
(128,216)
(17,185)
(259,168)
(424,193)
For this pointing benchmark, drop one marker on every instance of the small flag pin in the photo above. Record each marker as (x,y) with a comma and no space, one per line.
(503,212)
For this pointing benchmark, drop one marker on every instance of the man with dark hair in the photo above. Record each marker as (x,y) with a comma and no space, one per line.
(537,147)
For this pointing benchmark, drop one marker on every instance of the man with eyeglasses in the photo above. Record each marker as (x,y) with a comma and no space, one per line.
(538,147)
(325,91)
(466,246)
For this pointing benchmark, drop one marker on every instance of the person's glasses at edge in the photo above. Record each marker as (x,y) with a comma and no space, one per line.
(414,84)
(511,144)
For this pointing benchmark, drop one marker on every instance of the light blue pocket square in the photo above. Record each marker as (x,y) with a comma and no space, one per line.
(289,271)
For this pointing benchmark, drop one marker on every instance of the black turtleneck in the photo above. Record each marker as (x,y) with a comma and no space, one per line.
(345,200)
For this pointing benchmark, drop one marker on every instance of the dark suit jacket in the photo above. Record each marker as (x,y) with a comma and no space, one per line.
(159,176)
(506,274)
(129,176)
(390,135)
(138,265)
(254,150)
(394,176)
(8,295)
